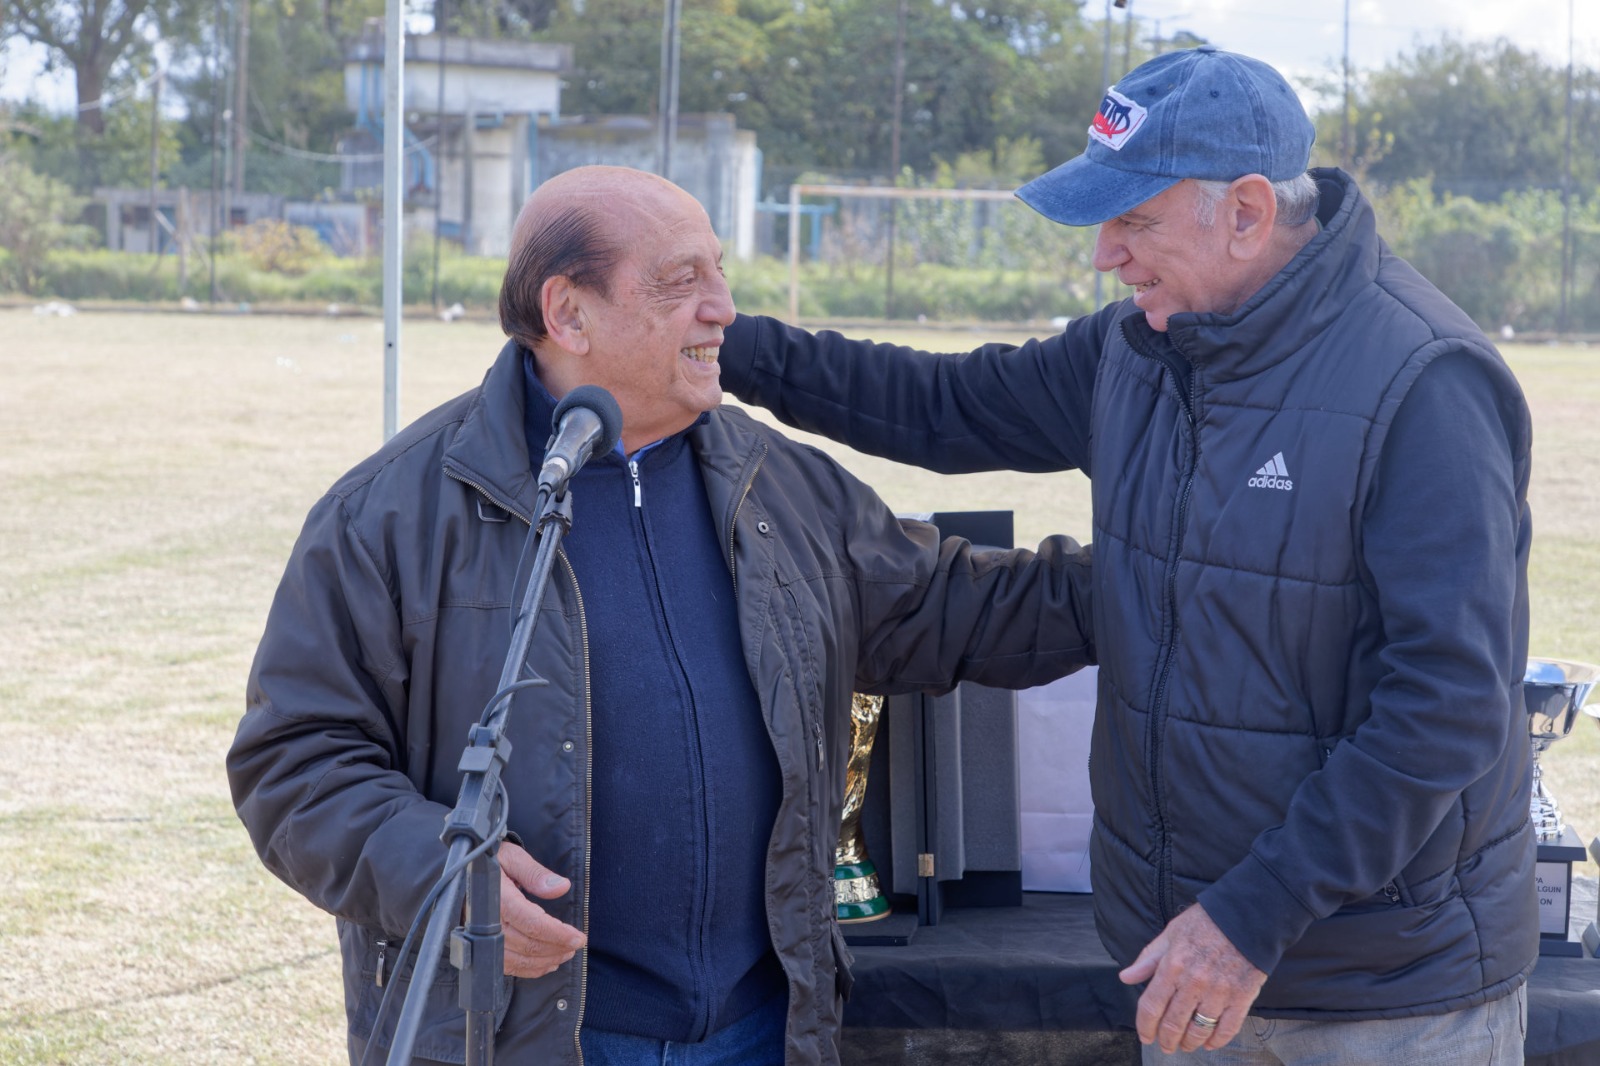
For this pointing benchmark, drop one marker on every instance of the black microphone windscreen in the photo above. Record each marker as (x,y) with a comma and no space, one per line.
(603,404)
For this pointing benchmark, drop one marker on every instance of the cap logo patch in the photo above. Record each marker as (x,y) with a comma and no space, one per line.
(1117,120)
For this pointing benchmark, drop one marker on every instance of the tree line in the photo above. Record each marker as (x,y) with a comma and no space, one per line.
(988,94)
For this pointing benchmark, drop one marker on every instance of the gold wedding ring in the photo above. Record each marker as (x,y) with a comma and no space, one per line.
(1200,1021)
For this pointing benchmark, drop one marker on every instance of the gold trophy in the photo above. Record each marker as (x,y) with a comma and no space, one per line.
(856,894)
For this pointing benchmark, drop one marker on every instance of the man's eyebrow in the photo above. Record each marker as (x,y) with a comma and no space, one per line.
(685,259)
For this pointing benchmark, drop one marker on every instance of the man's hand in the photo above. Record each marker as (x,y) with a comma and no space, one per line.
(535,942)
(1192,967)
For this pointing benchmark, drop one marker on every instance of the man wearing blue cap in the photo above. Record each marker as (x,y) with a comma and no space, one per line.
(1310,766)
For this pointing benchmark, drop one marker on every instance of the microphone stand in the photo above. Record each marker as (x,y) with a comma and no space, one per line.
(477,945)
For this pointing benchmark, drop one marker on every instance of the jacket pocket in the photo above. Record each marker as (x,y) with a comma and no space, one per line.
(442,1034)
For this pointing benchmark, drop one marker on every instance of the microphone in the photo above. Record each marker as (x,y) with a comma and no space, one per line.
(587,420)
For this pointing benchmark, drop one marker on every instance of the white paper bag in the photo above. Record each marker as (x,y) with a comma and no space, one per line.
(1053,725)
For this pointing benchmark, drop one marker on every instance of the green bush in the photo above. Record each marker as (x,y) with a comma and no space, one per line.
(938,293)
(1498,260)
(103,275)
(34,219)
(347,282)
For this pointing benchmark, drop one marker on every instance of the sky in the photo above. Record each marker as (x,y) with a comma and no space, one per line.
(1305,39)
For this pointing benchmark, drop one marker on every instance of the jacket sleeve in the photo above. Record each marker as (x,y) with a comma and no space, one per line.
(935,612)
(995,408)
(1444,539)
(314,766)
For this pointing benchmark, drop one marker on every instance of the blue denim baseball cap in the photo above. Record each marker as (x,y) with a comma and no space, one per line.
(1199,113)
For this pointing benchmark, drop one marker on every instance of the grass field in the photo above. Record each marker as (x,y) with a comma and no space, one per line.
(156,470)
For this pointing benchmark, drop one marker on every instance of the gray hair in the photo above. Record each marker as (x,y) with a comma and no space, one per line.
(1297,200)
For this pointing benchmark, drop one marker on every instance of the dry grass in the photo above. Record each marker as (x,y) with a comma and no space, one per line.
(156,472)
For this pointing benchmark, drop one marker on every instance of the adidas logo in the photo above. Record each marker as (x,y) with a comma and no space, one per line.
(1275,475)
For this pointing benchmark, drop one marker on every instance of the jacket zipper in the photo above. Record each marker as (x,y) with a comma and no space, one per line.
(588,804)
(638,491)
(1184,386)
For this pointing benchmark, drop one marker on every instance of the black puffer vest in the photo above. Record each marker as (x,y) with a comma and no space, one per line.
(1229,487)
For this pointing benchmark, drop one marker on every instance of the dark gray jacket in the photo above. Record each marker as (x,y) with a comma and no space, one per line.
(1311,645)
(388,632)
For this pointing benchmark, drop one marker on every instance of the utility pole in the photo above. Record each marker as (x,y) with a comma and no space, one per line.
(155,159)
(215,205)
(241,98)
(1127,35)
(667,108)
(442,29)
(1344,115)
(894,153)
(394,206)
(1105,83)
(1564,322)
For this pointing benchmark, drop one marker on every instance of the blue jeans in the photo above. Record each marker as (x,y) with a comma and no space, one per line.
(754,1040)
(1490,1034)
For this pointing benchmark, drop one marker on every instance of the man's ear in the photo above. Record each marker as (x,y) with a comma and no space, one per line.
(1251,215)
(561,304)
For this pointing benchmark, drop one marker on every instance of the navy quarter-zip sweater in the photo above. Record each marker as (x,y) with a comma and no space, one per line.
(685,788)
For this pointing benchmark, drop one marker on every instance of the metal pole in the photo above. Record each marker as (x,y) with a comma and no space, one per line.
(241,97)
(1564,322)
(667,108)
(1344,128)
(794,253)
(443,30)
(215,203)
(1105,83)
(894,154)
(394,126)
(1127,36)
(155,158)
(227,125)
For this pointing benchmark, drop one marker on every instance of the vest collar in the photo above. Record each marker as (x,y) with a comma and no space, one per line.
(1299,303)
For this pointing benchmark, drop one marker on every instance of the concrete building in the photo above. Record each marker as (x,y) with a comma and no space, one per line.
(187,212)
(484,128)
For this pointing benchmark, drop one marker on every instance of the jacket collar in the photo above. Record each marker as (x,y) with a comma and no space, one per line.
(490,450)
(1298,304)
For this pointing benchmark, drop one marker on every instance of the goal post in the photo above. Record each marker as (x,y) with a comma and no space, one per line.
(870,192)
(937,254)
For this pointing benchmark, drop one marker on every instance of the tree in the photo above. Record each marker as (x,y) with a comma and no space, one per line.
(493,18)
(105,42)
(121,152)
(815,83)
(1479,118)
(295,111)
(93,37)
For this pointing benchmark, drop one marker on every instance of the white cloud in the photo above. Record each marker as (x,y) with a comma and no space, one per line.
(1306,40)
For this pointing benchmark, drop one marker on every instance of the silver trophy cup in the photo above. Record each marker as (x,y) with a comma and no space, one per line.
(1554,690)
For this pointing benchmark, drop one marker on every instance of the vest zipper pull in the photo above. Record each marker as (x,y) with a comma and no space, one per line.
(633,468)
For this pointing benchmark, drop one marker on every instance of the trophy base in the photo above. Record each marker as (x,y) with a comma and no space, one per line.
(856,895)
(1553,874)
